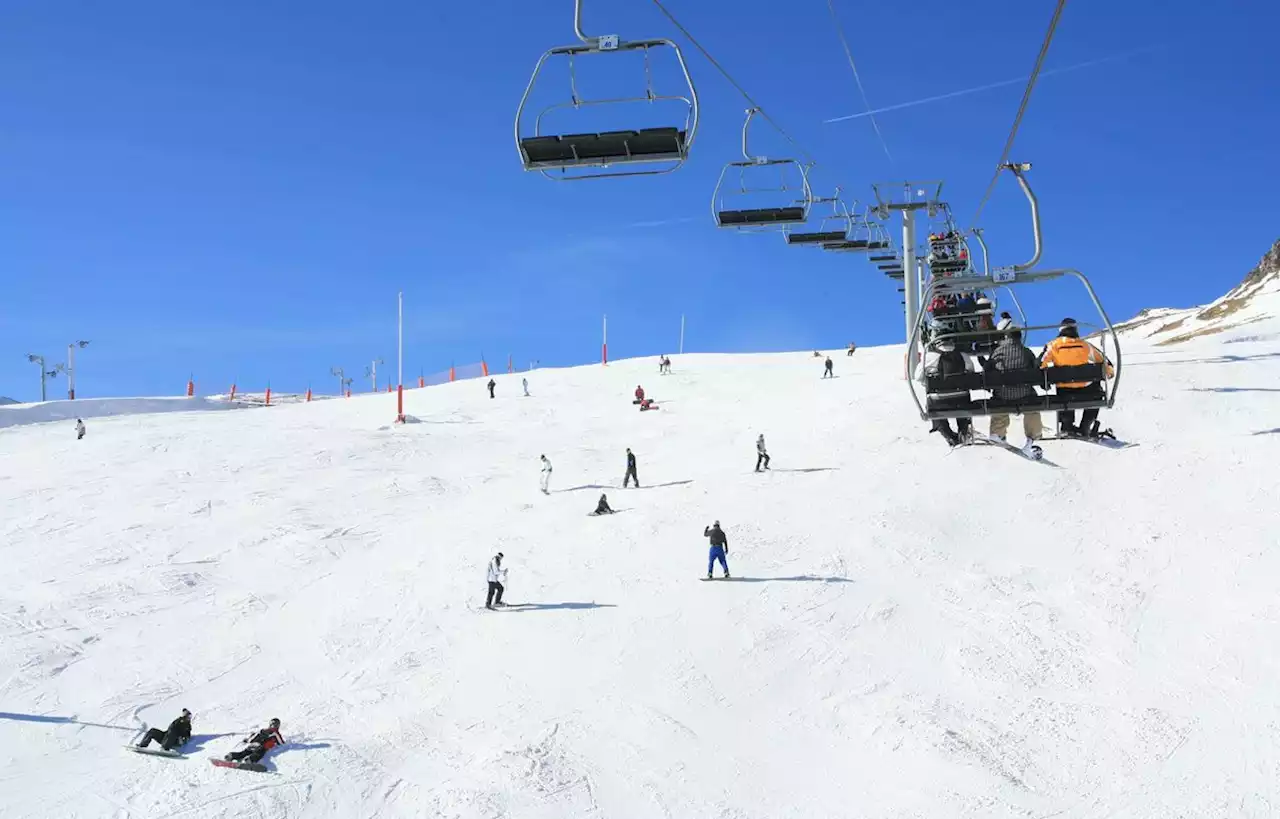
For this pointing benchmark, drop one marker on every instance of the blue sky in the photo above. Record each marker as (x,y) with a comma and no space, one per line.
(239,189)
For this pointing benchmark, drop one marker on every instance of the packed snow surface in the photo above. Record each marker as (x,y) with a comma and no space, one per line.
(910,632)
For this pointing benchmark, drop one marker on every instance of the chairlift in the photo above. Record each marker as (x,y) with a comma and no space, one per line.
(638,149)
(952,396)
(854,244)
(792,212)
(823,236)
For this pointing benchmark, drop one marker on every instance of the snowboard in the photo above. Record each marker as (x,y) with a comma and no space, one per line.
(1107,440)
(1036,454)
(257,767)
(154,752)
(705,579)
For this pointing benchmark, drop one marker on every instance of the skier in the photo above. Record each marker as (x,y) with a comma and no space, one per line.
(1068,350)
(762,455)
(631,470)
(1010,355)
(79,429)
(719,548)
(852,347)
(492,384)
(524,382)
(546,475)
(257,745)
(666,365)
(662,365)
(639,394)
(949,361)
(178,733)
(602,506)
(497,578)
(828,369)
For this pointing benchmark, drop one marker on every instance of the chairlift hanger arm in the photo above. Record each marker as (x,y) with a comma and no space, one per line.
(1018,170)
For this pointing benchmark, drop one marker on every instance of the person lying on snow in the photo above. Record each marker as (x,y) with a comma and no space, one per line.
(257,745)
(647,404)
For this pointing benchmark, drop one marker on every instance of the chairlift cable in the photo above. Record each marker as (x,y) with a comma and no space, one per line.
(844,42)
(1022,108)
(761,110)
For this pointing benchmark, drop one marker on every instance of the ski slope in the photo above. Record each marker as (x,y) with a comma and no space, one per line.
(912,632)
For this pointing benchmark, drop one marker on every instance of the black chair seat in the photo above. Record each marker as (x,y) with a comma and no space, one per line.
(844,246)
(877,245)
(882,258)
(952,310)
(1016,378)
(760,216)
(815,238)
(607,148)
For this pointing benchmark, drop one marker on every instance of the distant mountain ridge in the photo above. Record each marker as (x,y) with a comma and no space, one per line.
(1255,299)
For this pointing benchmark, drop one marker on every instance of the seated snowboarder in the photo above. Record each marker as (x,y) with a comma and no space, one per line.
(257,744)
(178,733)
(602,508)
(647,404)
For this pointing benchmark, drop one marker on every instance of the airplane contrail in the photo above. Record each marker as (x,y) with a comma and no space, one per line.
(989,86)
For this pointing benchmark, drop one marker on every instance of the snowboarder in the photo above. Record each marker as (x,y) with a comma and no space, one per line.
(631,470)
(524,382)
(497,578)
(178,733)
(852,347)
(602,506)
(257,744)
(719,548)
(1068,350)
(949,361)
(1010,355)
(546,475)
(762,455)
(492,384)
(79,429)
(828,369)
(639,394)
(666,365)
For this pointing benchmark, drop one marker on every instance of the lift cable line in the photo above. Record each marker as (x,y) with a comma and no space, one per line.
(848,53)
(1022,108)
(759,109)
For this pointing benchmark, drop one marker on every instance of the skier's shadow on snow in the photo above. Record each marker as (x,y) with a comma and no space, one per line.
(556,606)
(1268,431)
(1235,389)
(810,469)
(668,483)
(198,741)
(584,486)
(801,578)
(64,721)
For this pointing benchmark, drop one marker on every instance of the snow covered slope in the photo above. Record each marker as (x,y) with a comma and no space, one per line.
(912,632)
(20,414)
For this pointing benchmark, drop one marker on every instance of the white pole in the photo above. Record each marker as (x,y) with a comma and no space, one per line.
(71,372)
(682,334)
(400,340)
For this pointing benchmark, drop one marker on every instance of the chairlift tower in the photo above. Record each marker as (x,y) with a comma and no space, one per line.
(906,198)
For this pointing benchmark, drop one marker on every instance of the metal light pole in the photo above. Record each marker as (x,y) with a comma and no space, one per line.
(71,367)
(371,372)
(342,380)
(44,373)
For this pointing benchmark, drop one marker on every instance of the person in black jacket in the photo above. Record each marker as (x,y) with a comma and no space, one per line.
(719,548)
(602,507)
(631,470)
(950,361)
(179,732)
(1010,355)
(828,369)
(492,384)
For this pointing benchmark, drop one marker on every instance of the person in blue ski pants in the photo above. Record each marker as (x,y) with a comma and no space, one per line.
(719,548)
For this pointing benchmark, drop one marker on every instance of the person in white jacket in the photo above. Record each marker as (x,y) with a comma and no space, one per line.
(497,578)
(546,475)
(79,429)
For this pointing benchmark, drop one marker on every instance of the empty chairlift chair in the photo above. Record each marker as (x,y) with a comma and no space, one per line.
(827,232)
(790,212)
(641,152)
(859,239)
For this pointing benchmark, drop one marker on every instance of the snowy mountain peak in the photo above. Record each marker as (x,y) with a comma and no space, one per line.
(1256,299)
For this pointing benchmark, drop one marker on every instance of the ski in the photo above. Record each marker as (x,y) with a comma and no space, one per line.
(154,752)
(257,767)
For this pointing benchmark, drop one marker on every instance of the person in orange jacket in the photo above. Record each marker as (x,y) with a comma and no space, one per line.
(1069,350)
